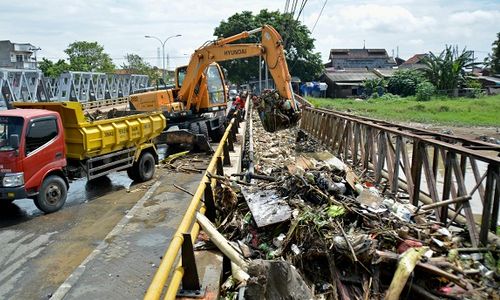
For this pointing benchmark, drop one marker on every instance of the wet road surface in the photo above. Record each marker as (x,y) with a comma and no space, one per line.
(39,251)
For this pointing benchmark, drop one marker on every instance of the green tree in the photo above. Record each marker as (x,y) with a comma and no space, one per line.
(136,65)
(446,71)
(89,57)
(404,82)
(298,43)
(51,69)
(376,86)
(493,59)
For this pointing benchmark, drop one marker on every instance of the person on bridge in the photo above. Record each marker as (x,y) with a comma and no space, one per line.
(239,103)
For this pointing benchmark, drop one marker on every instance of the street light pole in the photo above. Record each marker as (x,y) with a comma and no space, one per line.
(163,49)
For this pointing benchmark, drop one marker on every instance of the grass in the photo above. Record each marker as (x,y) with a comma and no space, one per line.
(484,111)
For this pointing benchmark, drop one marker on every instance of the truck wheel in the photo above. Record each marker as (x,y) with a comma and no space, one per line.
(132,173)
(52,194)
(146,167)
(203,129)
(194,128)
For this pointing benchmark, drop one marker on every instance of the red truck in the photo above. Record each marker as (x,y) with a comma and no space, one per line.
(45,145)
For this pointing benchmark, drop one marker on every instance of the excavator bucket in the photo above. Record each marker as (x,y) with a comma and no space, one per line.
(275,112)
(183,137)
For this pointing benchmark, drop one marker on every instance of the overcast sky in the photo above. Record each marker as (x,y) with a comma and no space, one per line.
(416,26)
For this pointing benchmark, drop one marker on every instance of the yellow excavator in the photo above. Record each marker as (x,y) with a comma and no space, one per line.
(198,101)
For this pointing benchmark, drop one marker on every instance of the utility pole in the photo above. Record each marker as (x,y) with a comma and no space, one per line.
(163,48)
(260,74)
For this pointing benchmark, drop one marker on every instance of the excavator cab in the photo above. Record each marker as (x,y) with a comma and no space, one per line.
(210,91)
(180,74)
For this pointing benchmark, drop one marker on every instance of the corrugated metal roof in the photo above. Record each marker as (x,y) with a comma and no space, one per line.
(496,80)
(358,53)
(350,77)
(385,72)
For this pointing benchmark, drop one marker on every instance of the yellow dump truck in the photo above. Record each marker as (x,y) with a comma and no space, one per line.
(45,145)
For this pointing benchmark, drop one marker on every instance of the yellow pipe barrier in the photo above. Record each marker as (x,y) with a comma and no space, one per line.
(159,280)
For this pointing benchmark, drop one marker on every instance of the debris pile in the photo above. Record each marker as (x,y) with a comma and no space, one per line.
(346,237)
(185,162)
(97,114)
(275,112)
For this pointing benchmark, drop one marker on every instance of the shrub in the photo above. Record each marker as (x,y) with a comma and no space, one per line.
(444,108)
(389,96)
(373,86)
(418,107)
(404,82)
(425,90)
(476,87)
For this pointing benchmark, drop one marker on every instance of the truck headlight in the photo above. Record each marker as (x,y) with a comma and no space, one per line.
(13,179)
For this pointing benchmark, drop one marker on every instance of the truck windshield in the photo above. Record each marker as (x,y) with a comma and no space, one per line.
(8,127)
(215,85)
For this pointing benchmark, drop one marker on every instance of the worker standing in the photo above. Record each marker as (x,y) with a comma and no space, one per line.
(238,105)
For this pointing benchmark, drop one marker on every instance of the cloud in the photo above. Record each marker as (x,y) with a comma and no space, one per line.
(380,18)
(416,42)
(475,17)
(415,26)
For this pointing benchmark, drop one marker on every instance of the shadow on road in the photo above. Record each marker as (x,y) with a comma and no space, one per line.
(12,214)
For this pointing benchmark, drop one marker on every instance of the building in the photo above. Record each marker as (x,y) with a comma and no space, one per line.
(399,60)
(490,83)
(414,62)
(346,84)
(17,55)
(341,59)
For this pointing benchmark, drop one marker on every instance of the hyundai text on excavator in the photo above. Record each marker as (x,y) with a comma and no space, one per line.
(198,102)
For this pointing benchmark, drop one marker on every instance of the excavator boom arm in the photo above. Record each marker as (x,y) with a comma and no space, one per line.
(270,47)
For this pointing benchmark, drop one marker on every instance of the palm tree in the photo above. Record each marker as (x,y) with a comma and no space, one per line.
(447,70)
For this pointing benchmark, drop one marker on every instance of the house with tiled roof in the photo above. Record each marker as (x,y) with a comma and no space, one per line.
(341,59)
(346,84)
(349,68)
(414,62)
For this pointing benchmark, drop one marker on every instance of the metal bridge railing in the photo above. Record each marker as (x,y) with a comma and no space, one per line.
(24,85)
(430,167)
(188,229)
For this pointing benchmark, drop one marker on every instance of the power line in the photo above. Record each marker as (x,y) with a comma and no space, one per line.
(320,13)
(287,2)
(304,2)
(294,7)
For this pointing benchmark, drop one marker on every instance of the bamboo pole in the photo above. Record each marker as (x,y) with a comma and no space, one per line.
(221,242)
(405,267)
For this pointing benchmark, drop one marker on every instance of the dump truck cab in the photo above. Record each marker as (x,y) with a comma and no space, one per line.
(32,149)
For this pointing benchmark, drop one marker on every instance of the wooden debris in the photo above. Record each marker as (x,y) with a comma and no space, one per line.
(406,265)
(220,241)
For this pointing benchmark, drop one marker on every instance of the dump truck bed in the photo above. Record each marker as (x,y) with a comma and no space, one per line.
(87,139)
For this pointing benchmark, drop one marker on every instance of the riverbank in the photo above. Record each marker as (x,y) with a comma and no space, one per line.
(439,112)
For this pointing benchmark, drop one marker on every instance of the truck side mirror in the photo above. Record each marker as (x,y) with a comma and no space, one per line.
(14,141)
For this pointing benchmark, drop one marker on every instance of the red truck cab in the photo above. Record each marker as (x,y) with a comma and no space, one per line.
(32,158)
